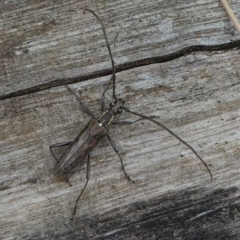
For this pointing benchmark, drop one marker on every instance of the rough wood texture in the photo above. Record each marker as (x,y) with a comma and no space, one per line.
(197,96)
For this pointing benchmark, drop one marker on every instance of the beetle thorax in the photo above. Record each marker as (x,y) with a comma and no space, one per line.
(115,108)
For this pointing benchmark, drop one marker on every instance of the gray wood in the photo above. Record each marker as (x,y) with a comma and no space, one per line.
(196,96)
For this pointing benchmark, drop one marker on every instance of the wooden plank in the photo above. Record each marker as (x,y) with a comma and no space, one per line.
(196,96)
(42,42)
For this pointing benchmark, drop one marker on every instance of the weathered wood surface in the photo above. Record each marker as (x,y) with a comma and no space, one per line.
(197,96)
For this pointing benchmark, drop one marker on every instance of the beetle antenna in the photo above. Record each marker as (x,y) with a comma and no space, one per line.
(113,78)
(172,133)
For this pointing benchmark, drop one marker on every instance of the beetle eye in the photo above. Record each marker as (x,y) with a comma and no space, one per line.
(112,104)
(119,110)
(121,100)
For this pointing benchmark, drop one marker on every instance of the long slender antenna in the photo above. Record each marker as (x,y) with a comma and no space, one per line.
(110,53)
(172,133)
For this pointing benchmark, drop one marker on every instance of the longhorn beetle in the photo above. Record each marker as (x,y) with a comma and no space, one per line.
(97,128)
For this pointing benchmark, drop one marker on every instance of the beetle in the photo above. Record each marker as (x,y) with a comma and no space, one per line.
(97,129)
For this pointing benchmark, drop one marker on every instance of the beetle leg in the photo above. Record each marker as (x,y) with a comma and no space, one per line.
(87,178)
(84,108)
(56,145)
(116,151)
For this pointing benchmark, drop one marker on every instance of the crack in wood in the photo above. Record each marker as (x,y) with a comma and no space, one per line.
(123,67)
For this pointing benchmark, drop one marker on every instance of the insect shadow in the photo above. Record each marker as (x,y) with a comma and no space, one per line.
(97,128)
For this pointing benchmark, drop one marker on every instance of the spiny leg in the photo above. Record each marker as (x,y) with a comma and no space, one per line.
(103,96)
(56,145)
(121,123)
(87,179)
(116,151)
(172,133)
(84,108)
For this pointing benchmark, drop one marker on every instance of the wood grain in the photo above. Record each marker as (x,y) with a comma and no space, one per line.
(196,96)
